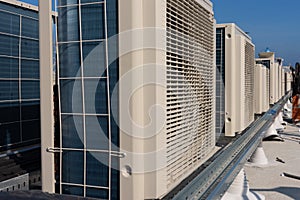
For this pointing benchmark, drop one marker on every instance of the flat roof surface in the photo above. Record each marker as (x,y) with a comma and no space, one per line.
(267,180)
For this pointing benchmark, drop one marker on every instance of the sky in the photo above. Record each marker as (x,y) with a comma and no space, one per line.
(271,23)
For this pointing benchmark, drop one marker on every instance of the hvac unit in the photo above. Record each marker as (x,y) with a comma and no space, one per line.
(174,64)
(239,79)
(268,59)
(282,82)
(260,89)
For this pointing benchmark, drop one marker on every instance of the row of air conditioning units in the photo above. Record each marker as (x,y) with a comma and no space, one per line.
(245,86)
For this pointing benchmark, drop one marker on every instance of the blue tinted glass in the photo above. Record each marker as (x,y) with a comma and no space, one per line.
(69,60)
(29,48)
(92,21)
(18,10)
(91,1)
(9,23)
(96,132)
(71,98)
(9,45)
(9,90)
(30,110)
(72,131)
(115,180)
(67,2)
(97,193)
(95,96)
(74,190)
(10,133)
(72,167)
(68,24)
(112,17)
(94,64)
(30,89)
(30,69)
(31,130)
(30,27)
(9,67)
(97,169)
(10,112)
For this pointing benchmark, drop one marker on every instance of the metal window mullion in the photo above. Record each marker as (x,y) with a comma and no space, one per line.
(108,100)
(20,77)
(83,99)
(59,103)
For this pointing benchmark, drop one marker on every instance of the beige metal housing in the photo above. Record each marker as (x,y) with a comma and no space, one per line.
(268,59)
(239,79)
(167,66)
(261,103)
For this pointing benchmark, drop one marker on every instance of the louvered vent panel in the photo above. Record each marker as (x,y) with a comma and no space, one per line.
(220,81)
(249,83)
(190,46)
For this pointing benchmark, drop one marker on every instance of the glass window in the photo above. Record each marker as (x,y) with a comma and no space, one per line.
(30,48)
(72,131)
(9,67)
(9,23)
(31,130)
(97,193)
(30,69)
(71,98)
(30,89)
(94,64)
(112,17)
(10,111)
(96,132)
(68,24)
(9,45)
(10,133)
(91,1)
(95,95)
(67,2)
(92,22)
(72,167)
(74,190)
(69,60)
(30,110)
(30,27)
(97,169)
(9,90)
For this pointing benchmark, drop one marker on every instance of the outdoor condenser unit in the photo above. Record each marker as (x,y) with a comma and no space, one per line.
(261,104)
(239,79)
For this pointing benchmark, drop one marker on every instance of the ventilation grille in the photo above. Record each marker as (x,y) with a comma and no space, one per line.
(190,46)
(249,83)
(220,81)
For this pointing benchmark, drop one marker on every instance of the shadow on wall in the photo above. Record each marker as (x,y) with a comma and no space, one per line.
(292,192)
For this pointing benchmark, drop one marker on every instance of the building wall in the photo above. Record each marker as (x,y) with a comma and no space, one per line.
(19,75)
(88,72)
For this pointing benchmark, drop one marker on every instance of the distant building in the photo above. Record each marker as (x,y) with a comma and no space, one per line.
(234,80)
(19,96)
(136,96)
(19,74)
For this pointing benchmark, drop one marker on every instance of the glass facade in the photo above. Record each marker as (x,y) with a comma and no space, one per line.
(19,76)
(87,79)
(220,82)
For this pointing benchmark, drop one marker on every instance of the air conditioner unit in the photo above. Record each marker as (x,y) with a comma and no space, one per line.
(260,89)
(238,53)
(268,59)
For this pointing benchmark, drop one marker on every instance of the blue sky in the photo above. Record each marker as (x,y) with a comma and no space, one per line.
(270,23)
